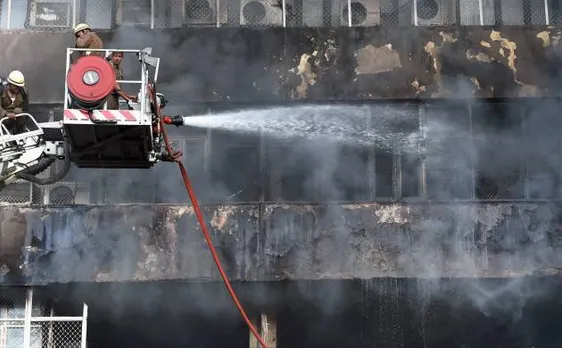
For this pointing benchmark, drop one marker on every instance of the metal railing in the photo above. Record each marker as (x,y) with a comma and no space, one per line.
(26,324)
(107,14)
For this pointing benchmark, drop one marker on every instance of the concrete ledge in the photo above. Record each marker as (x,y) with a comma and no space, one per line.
(264,242)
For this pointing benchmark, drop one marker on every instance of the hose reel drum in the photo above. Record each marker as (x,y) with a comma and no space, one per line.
(91,81)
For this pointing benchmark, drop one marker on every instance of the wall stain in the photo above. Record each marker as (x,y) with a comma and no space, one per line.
(146,243)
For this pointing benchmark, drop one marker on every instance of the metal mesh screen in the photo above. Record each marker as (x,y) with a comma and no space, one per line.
(37,15)
(204,12)
(12,304)
(66,193)
(134,12)
(18,192)
(554,10)
(261,13)
(449,169)
(44,329)
(542,148)
(500,169)
(288,173)
(106,14)
(60,334)
(234,174)
(350,177)
(314,13)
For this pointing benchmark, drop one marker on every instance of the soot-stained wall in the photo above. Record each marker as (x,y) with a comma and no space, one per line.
(272,242)
(388,312)
(279,64)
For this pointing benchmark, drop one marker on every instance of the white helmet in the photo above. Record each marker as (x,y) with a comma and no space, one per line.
(80,27)
(16,78)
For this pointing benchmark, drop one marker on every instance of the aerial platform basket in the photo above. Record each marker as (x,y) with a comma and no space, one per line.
(102,138)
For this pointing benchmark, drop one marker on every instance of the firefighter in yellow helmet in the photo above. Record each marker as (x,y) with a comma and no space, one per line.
(86,38)
(14,100)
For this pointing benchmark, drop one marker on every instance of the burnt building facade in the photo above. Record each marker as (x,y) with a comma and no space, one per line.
(403,191)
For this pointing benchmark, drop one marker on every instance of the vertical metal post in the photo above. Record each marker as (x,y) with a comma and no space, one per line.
(415,4)
(218,12)
(68,56)
(349,13)
(152,11)
(27,320)
(50,333)
(284,12)
(9,15)
(546,12)
(481,12)
(83,342)
(74,13)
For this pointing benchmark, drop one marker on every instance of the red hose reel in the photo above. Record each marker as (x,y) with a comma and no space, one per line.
(90,81)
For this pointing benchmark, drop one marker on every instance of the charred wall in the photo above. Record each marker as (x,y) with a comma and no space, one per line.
(282,64)
(261,242)
(470,313)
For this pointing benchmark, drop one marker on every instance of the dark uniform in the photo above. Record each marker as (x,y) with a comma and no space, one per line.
(113,99)
(18,105)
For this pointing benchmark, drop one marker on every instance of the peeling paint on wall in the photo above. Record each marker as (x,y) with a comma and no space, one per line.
(374,60)
(273,242)
(317,63)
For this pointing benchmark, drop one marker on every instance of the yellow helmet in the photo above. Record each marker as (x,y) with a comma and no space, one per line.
(16,78)
(80,27)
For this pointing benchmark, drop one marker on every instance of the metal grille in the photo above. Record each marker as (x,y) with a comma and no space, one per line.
(469,11)
(288,171)
(203,13)
(18,192)
(554,11)
(66,193)
(350,177)
(449,169)
(134,12)
(234,173)
(12,303)
(499,169)
(22,315)
(261,13)
(37,15)
(314,13)
(60,334)
(106,14)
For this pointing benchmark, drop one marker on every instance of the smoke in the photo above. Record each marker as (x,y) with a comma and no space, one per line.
(311,160)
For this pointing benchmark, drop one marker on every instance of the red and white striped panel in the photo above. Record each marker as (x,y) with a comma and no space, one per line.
(102,115)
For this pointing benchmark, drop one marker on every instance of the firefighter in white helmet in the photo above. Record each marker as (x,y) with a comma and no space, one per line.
(86,38)
(14,100)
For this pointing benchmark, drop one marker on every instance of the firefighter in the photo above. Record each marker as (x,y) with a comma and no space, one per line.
(14,100)
(113,99)
(86,38)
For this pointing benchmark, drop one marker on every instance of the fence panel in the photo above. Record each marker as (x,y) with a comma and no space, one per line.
(25,322)
(17,192)
(38,15)
(108,14)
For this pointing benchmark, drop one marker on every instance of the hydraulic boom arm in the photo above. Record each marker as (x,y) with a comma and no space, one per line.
(30,152)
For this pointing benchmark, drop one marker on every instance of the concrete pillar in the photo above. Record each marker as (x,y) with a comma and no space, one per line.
(266,324)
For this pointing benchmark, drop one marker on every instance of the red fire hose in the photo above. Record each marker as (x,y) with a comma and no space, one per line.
(203,225)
